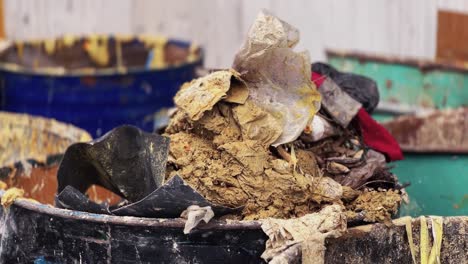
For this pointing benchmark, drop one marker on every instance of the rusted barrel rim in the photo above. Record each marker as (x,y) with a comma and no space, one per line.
(15,68)
(423,65)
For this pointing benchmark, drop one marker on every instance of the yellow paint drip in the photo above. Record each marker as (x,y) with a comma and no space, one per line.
(124,38)
(68,40)
(19,49)
(49,46)
(157,45)
(193,53)
(11,195)
(118,54)
(97,49)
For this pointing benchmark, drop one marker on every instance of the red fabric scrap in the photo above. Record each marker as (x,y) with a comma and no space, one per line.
(373,133)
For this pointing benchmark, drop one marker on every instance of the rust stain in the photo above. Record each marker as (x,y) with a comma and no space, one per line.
(423,65)
(41,185)
(439,131)
(388,84)
(88,81)
(463,203)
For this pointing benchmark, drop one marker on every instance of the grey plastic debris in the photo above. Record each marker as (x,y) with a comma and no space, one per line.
(342,107)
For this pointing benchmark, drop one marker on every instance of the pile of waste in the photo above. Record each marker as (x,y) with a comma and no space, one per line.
(272,139)
(256,136)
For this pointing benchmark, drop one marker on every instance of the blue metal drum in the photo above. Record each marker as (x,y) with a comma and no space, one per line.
(99,100)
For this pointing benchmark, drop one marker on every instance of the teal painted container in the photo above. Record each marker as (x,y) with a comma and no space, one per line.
(439,183)
(439,180)
(407,85)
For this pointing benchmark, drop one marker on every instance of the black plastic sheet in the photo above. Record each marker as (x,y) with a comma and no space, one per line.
(72,199)
(170,201)
(127,161)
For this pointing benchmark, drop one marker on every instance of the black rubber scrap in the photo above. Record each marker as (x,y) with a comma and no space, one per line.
(170,200)
(72,199)
(126,161)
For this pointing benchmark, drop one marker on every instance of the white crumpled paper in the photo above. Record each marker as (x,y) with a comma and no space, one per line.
(278,78)
(194,215)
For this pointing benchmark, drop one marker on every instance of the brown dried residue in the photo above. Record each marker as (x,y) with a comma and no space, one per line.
(224,154)
(40,183)
(213,159)
(376,206)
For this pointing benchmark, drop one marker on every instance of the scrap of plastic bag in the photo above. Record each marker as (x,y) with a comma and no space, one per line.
(277,77)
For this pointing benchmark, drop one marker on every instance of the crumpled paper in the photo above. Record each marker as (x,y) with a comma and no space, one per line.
(307,233)
(200,95)
(278,78)
(194,215)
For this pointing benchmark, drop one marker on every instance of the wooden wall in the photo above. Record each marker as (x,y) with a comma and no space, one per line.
(392,27)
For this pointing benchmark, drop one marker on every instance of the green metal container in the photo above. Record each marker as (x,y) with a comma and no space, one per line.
(407,85)
(439,183)
(439,179)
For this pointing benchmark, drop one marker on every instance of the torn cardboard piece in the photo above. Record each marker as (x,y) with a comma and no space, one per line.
(277,77)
